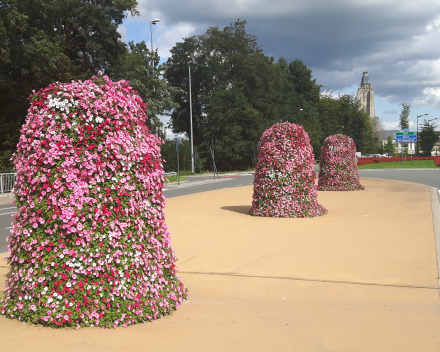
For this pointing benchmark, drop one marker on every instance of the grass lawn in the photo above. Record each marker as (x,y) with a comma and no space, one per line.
(174,178)
(416,164)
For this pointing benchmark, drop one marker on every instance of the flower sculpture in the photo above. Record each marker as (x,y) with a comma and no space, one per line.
(284,181)
(89,246)
(338,171)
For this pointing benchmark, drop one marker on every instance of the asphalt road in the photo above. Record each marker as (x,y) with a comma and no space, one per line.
(198,184)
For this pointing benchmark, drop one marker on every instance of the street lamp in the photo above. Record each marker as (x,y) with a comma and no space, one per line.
(153,21)
(191,119)
(417,144)
(431,120)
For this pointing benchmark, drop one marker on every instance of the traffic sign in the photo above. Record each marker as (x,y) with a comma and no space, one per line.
(406,133)
(414,137)
(405,140)
(406,130)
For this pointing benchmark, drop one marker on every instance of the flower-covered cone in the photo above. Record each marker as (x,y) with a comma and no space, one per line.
(338,170)
(89,245)
(284,181)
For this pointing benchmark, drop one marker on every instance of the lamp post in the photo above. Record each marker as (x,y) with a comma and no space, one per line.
(191,119)
(153,21)
(431,120)
(417,144)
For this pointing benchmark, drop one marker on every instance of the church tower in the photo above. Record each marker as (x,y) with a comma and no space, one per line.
(365,95)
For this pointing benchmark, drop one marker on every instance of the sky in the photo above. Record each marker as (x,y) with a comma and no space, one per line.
(396,41)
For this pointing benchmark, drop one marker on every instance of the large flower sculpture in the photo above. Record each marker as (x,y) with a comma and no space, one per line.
(284,182)
(338,170)
(89,246)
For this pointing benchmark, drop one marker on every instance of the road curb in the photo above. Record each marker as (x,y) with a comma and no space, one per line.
(435,204)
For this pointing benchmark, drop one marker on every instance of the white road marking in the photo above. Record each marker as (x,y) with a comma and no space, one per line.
(7,228)
(8,213)
(8,208)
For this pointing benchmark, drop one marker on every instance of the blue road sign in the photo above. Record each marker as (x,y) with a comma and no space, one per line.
(406,140)
(412,137)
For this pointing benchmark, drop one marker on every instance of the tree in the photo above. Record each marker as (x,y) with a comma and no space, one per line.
(46,41)
(404,116)
(232,92)
(141,67)
(389,146)
(300,91)
(342,115)
(428,136)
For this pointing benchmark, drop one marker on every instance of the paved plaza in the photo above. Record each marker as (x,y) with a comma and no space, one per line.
(363,277)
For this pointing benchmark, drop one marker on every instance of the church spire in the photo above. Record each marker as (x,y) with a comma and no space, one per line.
(365,95)
(365,79)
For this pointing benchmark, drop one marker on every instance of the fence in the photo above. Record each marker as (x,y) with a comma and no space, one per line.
(7,182)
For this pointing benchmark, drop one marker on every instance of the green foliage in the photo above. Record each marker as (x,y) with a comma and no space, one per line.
(237,93)
(141,67)
(404,116)
(428,136)
(389,147)
(169,154)
(416,164)
(46,41)
(342,115)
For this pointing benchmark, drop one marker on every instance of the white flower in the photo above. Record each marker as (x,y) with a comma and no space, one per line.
(68,284)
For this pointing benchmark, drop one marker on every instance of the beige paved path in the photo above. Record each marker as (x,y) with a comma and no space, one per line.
(361,278)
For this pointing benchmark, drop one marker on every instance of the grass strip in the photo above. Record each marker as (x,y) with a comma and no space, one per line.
(416,164)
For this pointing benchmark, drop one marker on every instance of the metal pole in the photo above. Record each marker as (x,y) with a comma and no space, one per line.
(178,171)
(151,32)
(191,120)
(417,135)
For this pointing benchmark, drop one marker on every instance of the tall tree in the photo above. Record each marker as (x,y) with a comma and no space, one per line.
(141,67)
(342,115)
(300,91)
(45,41)
(389,146)
(428,136)
(231,92)
(404,116)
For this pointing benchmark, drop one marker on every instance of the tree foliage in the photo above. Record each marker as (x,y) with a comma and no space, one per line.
(428,136)
(341,114)
(404,116)
(141,67)
(389,146)
(237,93)
(46,41)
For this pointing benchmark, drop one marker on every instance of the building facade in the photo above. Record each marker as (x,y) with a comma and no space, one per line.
(365,95)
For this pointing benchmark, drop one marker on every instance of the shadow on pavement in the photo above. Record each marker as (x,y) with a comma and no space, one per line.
(241,209)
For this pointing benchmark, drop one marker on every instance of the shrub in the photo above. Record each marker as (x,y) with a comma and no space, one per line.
(338,168)
(89,246)
(284,181)
(365,161)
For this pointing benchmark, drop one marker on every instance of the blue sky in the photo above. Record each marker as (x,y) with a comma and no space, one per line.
(396,41)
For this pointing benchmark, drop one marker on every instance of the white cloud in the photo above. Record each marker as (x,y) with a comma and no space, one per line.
(171,35)
(394,125)
(397,41)
(391,125)
(122,29)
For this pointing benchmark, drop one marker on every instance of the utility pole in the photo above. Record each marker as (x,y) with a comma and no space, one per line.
(191,119)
